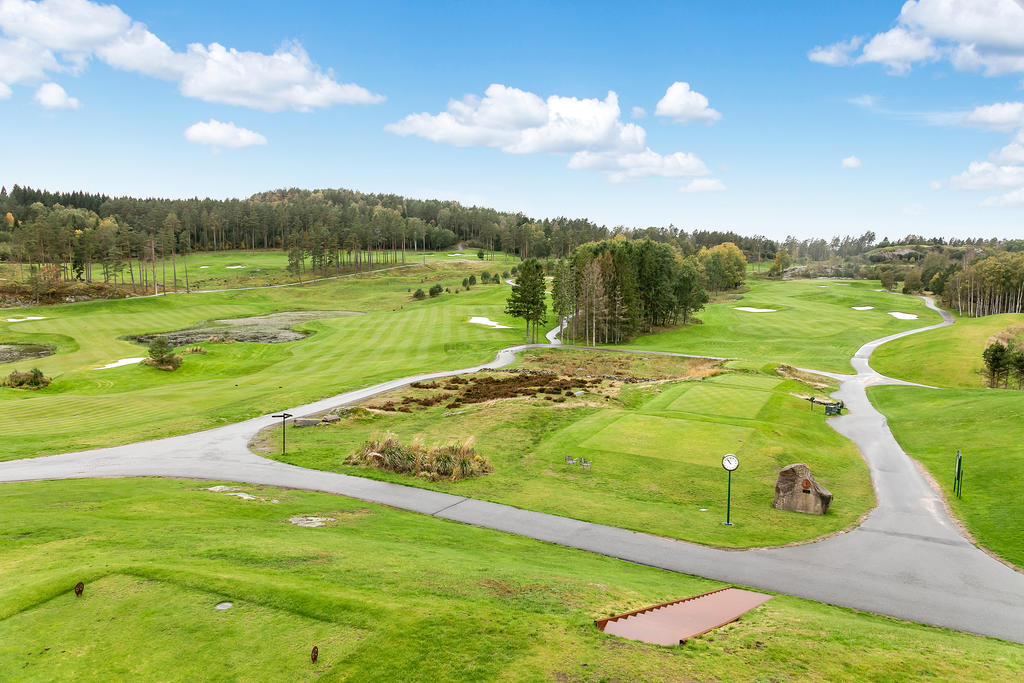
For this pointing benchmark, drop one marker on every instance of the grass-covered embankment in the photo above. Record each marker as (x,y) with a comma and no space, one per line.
(385,595)
(948,356)
(656,449)
(987,426)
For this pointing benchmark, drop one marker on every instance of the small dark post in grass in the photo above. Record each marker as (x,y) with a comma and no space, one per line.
(284,417)
(314,654)
(958,474)
(79,587)
(729,462)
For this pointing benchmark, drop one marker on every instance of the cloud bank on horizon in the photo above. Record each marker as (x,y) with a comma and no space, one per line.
(985,36)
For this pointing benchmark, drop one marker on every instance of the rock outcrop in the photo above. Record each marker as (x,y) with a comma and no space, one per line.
(797,490)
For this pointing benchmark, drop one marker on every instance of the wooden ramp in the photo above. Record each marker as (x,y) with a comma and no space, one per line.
(671,623)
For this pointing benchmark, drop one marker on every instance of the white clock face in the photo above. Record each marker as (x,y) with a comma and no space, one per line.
(730,462)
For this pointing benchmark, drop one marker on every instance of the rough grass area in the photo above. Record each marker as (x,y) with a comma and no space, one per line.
(87,407)
(13,353)
(656,450)
(598,363)
(987,425)
(814,325)
(274,328)
(949,356)
(385,595)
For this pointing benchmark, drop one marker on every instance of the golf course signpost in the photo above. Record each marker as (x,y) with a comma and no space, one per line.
(284,418)
(729,462)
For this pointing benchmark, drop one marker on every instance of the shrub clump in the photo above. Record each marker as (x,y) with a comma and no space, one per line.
(436,290)
(33,379)
(162,356)
(419,294)
(454,461)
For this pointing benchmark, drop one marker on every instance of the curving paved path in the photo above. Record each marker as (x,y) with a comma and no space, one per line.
(906,560)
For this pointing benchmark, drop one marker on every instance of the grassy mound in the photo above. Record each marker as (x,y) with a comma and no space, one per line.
(385,595)
(656,450)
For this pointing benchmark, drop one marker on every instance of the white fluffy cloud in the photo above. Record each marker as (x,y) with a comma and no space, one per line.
(850,162)
(219,134)
(62,35)
(1013,153)
(520,122)
(703,185)
(836,54)
(639,113)
(52,96)
(1002,116)
(981,35)
(683,105)
(5,91)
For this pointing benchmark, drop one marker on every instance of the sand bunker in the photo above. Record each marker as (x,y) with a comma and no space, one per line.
(267,329)
(119,363)
(201,267)
(224,605)
(903,316)
(25,320)
(310,521)
(478,320)
(10,353)
(233,267)
(862,308)
(749,309)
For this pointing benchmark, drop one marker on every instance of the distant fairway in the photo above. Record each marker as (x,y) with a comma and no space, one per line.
(384,595)
(814,325)
(87,407)
(656,454)
(987,425)
(946,357)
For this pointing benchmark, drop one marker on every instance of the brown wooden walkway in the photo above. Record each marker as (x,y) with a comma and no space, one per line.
(671,623)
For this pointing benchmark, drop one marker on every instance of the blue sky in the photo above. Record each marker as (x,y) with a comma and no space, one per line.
(776,96)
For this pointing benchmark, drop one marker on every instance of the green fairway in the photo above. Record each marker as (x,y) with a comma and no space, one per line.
(656,451)
(947,357)
(243,268)
(88,407)
(987,425)
(459,603)
(814,324)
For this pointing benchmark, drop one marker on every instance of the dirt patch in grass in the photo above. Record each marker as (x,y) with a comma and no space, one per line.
(605,363)
(483,387)
(267,329)
(12,353)
(809,378)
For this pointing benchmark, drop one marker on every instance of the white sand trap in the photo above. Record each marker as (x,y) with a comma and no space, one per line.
(25,320)
(478,320)
(310,521)
(219,489)
(456,254)
(879,290)
(862,308)
(123,361)
(233,267)
(748,309)
(201,267)
(224,605)
(903,316)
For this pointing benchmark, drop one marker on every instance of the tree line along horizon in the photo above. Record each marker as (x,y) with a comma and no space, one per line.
(62,236)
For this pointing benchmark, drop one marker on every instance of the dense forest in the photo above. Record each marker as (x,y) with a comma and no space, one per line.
(67,237)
